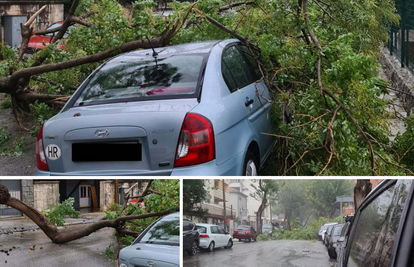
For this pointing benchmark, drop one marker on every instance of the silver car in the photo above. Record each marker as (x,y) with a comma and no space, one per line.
(158,245)
(192,109)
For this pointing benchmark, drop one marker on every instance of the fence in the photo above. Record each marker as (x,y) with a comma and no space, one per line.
(401,42)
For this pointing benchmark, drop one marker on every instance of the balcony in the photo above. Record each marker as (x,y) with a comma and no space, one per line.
(218,195)
(216,211)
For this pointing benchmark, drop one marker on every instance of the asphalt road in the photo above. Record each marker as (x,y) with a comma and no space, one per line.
(274,253)
(82,252)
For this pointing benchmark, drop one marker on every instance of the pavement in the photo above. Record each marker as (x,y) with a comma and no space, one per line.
(15,249)
(12,225)
(273,253)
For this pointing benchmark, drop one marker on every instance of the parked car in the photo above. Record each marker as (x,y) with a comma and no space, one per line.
(381,233)
(245,232)
(326,236)
(158,245)
(338,244)
(191,237)
(323,231)
(333,238)
(213,236)
(319,233)
(190,109)
(267,228)
(39,42)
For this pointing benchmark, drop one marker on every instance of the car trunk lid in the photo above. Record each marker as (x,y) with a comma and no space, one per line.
(150,126)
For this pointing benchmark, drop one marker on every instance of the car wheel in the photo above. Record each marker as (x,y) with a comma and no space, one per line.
(211,247)
(250,166)
(229,244)
(193,249)
(250,240)
(332,254)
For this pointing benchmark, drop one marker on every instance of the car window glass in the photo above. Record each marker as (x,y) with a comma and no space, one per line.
(214,230)
(202,229)
(221,230)
(163,232)
(253,64)
(377,226)
(242,228)
(167,77)
(337,230)
(228,78)
(187,226)
(238,68)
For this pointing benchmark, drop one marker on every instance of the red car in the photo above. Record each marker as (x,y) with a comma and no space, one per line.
(245,232)
(41,41)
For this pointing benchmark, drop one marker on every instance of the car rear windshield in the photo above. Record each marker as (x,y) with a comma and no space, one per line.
(163,232)
(143,79)
(202,229)
(243,228)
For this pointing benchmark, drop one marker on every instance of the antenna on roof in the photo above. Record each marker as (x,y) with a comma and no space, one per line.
(154,54)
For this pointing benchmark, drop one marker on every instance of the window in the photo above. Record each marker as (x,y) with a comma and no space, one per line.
(202,229)
(187,226)
(254,67)
(163,232)
(221,230)
(243,228)
(376,227)
(236,70)
(214,230)
(167,77)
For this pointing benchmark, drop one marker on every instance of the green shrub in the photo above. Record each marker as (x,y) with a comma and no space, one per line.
(57,214)
(6,102)
(110,253)
(42,113)
(16,148)
(4,135)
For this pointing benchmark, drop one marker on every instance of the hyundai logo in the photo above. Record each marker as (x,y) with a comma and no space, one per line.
(101,133)
(152,264)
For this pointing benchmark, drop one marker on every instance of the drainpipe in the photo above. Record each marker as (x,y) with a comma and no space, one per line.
(116,191)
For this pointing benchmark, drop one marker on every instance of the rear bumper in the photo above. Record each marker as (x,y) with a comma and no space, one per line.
(232,167)
(204,242)
(241,236)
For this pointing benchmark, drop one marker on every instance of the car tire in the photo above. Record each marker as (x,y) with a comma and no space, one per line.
(332,254)
(229,244)
(193,250)
(250,240)
(211,247)
(251,165)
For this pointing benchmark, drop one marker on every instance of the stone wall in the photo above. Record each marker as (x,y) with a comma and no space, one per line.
(400,78)
(107,194)
(45,194)
(27,192)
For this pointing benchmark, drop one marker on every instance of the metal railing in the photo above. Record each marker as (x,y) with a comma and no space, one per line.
(401,41)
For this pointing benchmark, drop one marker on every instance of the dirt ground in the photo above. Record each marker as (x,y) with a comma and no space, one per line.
(24,165)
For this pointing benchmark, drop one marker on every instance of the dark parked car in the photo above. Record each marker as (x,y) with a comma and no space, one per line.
(328,230)
(338,244)
(245,232)
(333,238)
(381,233)
(191,237)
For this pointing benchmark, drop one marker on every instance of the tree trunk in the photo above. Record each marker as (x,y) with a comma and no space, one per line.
(361,190)
(63,237)
(259,213)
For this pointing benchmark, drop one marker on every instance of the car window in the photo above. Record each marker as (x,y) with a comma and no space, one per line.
(214,230)
(242,228)
(254,68)
(57,25)
(237,67)
(163,232)
(377,226)
(343,230)
(187,226)
(139,79)
(221,230)
(337,230)
(202,229)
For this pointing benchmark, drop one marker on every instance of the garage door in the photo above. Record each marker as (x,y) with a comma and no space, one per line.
(14,187)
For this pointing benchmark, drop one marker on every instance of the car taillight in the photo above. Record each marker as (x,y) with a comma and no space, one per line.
(204,236)
(40,152)
(196,141)
(117,260)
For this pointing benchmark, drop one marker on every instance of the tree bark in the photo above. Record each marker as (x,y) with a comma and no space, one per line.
(361,190)
(259,221)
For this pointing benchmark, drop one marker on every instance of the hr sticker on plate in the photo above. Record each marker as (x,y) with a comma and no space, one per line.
(53,152)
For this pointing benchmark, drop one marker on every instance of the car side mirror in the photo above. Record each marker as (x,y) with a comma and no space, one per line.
(341,239)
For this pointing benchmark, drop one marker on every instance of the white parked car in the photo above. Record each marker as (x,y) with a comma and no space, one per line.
(213,236)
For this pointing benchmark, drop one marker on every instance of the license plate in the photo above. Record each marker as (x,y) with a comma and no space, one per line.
(116,151)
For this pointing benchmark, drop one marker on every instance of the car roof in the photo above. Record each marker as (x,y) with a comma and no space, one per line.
(330,223)
(188,48)
(205,224)
(175,215)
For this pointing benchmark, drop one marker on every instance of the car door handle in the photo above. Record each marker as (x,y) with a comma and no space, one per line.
(248,102)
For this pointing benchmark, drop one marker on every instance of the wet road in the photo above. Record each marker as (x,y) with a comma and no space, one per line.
(284,253)
(82,252)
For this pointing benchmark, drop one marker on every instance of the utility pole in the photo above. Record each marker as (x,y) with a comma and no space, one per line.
(224,204)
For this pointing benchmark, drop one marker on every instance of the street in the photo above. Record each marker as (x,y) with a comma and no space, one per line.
(82,252)
(282,253)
